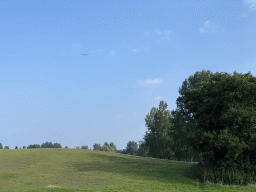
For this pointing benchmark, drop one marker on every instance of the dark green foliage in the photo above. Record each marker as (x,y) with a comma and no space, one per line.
(225,115)
(24,147)
(66,147)
(84,147)
(16,147)
(1,146)
(6,147)
(184,126)
(132,147)
(50,145)
(182,131)
(47,145)
(33,146)
(142,151)
(119,151)
(157,138)
(124,151)
(96,147)
(57,145)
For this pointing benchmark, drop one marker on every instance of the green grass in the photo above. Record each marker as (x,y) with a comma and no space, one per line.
(85,170)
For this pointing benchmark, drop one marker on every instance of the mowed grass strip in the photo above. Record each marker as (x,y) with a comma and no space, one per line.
(84,170)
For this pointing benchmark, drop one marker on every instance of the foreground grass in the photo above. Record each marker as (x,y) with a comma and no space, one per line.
(85,170)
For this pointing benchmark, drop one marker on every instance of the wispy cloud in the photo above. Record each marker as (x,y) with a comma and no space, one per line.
(252,4)
(209,27)
(150,82)
(112,52)
(161,35)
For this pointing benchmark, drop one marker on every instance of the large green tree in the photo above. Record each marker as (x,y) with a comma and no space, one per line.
(225,112)
(183,127)
(132,147)
(157,138)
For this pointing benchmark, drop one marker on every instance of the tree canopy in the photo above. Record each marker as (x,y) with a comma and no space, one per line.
(224,108)
(157,138)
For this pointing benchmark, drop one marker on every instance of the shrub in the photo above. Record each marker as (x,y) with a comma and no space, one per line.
(84,147)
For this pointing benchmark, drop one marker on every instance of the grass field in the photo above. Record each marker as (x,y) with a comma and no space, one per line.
(57,169)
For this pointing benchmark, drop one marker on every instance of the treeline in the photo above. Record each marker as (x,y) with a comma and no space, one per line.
(131,149)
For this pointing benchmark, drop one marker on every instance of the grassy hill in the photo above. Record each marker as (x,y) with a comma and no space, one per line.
(59,169)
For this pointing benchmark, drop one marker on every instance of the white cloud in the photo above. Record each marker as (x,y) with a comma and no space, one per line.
(209,27)
(112,52)
(164,35)
(252,4)
(150,82)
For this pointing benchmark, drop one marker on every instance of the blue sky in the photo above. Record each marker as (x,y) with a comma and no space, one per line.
(139,53)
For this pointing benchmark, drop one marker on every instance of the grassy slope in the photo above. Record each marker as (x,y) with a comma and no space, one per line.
(85,170)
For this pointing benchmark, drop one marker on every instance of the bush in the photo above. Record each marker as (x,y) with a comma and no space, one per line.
(6,147)
(24,147)
(84,147)
(66,147)
(16,147)
(229,176)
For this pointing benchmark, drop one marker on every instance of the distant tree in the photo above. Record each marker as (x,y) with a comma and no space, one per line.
(84,147)
(24,147)
(77,147)
(1,146)
(132,147)
(157,138)
(66,147)
(107,147)
(16,147)
(124,151)
(96,147)
(6,147)
(33,146)
(57,145)
(142,151)
(90,149)
(119,151)
(47,145)
(20,148)
(113,146)
(106,143)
